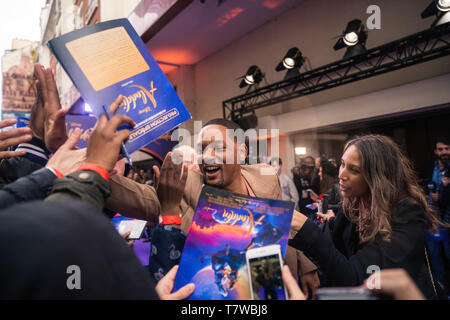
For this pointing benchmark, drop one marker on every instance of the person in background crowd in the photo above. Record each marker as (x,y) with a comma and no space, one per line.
(297,179)
(307,167)
(328,176)
(130,173)
(434,175)
(329,186)
(315,179)
(383,222)
(137,177)
(148,178)
(303,183)
(289,191)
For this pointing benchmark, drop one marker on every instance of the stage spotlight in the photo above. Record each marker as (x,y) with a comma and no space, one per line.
(439,8)
(252,77)
(354,38)
(292,61)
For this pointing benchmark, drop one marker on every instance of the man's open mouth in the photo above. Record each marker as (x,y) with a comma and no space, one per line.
(211,169)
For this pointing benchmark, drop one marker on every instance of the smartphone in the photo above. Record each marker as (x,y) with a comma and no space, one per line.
(136,227)
(264,272)
(350,293)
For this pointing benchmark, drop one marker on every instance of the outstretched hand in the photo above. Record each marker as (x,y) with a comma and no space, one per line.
(291,285)
(325,216)
(53,115)
(105,141)
(395,283)
(68,158)
(12,138)
(170,183)
(165,286)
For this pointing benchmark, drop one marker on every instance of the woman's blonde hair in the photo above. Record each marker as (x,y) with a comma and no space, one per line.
(391,178)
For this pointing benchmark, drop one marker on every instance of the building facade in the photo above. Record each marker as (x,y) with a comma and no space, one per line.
(18,86)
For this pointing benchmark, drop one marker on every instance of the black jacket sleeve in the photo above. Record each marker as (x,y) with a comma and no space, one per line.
(14,168)
(32,187)
(404,250)
(87,186)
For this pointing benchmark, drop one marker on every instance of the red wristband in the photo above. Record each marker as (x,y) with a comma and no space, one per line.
(170,220)
(58,174)
(96,168)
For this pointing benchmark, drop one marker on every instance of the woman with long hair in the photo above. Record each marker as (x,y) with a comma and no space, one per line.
(382,222)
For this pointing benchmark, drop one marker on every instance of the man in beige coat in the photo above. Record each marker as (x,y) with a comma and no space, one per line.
(220,168)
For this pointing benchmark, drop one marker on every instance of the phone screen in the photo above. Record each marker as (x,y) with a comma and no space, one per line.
(136,227)
(265,273)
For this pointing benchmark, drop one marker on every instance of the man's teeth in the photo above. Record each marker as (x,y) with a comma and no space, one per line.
(212,168)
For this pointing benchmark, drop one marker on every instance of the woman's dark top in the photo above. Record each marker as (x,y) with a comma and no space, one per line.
(347,262)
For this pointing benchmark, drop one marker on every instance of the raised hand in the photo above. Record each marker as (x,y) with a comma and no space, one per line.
(170,183)
(12,138)
(105,141)
(67,158)
(53,115)
(326,216)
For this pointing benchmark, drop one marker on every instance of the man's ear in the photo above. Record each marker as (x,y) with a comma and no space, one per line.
(243,152)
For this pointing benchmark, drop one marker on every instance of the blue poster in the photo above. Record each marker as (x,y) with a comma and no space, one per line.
(22,122)
(225,225)
(109,59)
(85,122)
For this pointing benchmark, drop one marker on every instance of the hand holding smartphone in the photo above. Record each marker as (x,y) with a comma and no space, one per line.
(264,270)
(136,227)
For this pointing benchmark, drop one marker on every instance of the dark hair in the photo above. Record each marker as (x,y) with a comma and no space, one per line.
(443,140)
(276,159)
(329,175)
(328,168)
(232,126)
(390,178)
(223,122)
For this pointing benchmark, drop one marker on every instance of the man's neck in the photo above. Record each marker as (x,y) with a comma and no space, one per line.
(238,185)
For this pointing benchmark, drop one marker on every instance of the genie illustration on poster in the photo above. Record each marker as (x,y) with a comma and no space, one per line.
(225,225)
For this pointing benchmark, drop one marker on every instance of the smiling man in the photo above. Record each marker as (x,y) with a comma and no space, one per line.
(220,158)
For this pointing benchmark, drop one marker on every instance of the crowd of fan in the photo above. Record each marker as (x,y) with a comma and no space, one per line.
(366,209)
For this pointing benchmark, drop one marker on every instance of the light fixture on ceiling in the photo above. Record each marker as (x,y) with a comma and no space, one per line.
(292,61)
(438,8)
(353,38)
(252,78)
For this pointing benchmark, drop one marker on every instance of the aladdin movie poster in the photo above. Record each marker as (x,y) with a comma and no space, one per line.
(109,59)
(225,225)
